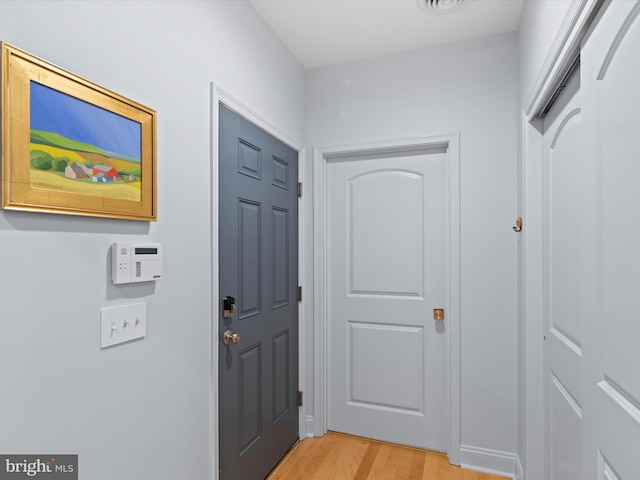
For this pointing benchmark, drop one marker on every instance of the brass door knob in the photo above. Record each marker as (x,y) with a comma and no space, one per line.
(438,313)
(230,337)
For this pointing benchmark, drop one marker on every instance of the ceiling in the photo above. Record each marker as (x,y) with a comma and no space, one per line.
(328,32)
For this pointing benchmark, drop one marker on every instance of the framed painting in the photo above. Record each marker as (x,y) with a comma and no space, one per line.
(71,146)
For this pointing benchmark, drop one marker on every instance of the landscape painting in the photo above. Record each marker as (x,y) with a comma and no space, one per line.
(70,146)
(81,148)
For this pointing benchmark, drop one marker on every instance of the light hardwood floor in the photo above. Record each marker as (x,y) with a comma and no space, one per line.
(336,456)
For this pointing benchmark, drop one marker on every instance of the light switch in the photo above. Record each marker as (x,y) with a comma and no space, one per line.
(122,323)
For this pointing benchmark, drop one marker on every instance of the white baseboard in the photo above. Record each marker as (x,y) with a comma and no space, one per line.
(519,472)
(496,462)
(309,427)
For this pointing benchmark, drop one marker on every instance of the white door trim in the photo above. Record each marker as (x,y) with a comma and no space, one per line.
(220,96)
(321,157)
(561,54)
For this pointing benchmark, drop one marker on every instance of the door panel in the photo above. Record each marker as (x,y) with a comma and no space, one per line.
(403,346)
(612,76)
(562,290)
(386,217)
(258,376)
(250,256)
(250,396)
(281,255)
(372,238)
(566,420)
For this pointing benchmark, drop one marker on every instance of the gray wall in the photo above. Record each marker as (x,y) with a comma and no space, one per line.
(471,88)
(139,410)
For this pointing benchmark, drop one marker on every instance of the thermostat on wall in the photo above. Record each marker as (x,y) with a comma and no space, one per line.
(136,262)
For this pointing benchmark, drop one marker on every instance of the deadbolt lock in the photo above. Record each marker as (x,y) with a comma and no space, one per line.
(230,337)
(438,313)
(229,304)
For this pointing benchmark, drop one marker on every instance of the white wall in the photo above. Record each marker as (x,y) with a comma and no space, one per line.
(540,23)
(139,410)
(471,88)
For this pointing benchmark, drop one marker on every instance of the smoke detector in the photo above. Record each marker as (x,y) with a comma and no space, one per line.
(442,7)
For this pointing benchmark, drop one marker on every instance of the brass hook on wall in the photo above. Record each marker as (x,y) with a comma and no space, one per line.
(518,227)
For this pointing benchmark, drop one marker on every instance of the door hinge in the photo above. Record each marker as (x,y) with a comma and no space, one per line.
(299,399)
(299,294)
(299,189)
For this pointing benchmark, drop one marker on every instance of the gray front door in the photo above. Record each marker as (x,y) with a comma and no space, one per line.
(258,375)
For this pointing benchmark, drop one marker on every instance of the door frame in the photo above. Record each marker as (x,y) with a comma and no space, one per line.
(321,157)
(220,96)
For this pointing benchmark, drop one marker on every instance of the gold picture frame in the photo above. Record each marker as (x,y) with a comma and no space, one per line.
(73,147)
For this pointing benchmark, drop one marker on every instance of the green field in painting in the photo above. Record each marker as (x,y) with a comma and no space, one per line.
(41,137)
(58,148)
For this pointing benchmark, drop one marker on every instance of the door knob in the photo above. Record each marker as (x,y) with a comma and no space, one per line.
(438,313)
(230,337)
(229,304)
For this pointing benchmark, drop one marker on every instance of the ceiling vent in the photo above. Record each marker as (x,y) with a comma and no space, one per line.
(442,7)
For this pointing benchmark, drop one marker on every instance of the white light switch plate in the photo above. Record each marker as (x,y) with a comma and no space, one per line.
(122,323)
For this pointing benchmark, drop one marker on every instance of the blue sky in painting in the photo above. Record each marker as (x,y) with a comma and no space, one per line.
(57,112)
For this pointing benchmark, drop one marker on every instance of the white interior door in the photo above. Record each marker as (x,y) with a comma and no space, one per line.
(611,80)
(563,159)
(387,264)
